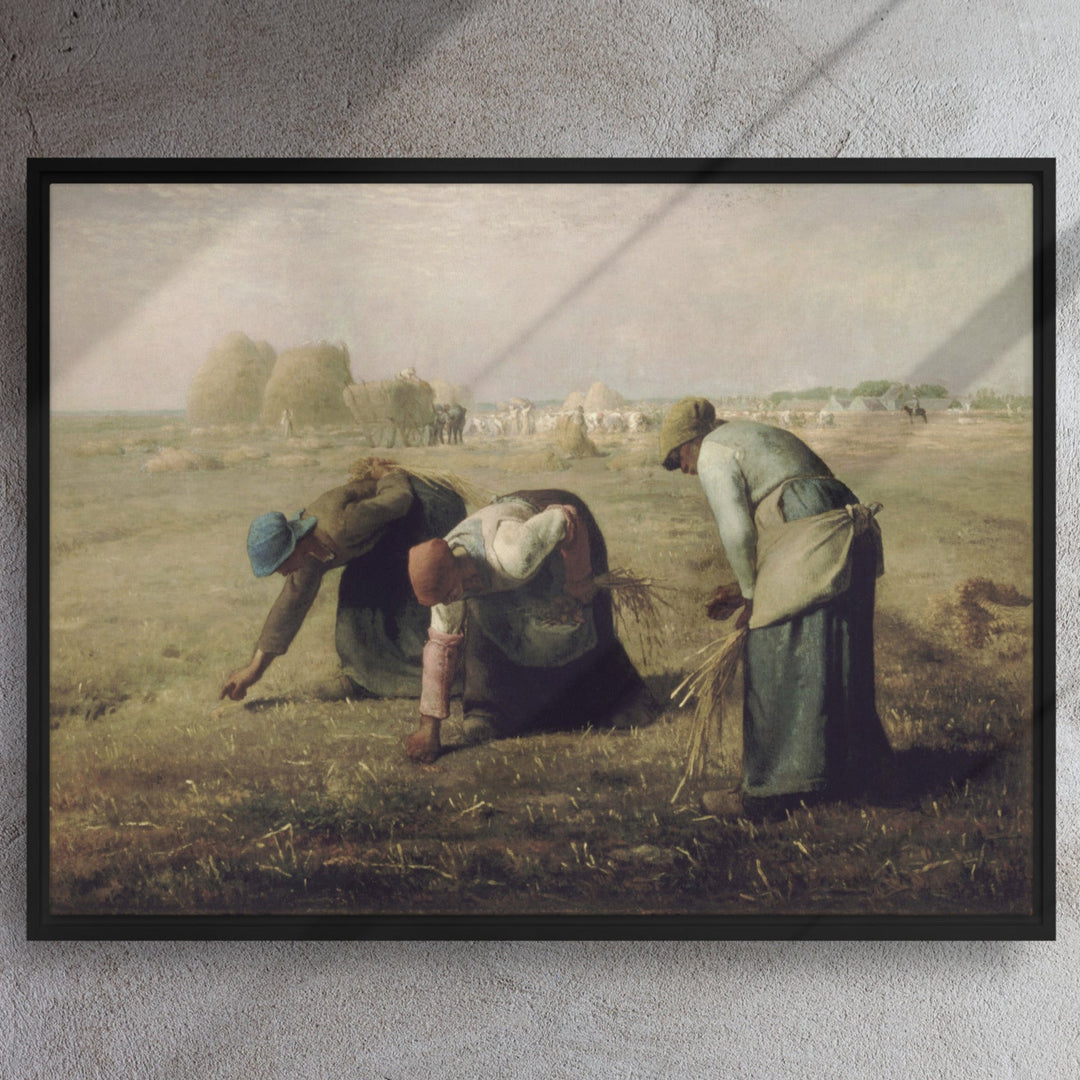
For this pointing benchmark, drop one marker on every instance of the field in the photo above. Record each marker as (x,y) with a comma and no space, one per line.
(163,800)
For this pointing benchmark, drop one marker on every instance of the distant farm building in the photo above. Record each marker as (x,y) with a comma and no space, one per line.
(866,404)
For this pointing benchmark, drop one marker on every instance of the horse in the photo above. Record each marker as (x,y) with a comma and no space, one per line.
(918,410)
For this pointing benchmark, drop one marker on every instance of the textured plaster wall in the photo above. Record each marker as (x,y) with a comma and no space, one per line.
(593,78)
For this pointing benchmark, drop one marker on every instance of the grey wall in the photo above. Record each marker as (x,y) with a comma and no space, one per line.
(595,78)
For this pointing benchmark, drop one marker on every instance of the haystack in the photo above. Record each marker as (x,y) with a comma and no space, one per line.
(308,381)
(228,388)
(575,400)
(572,440)
(601,398)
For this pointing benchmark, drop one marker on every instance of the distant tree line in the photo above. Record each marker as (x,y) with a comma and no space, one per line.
(986,398)
(871,388)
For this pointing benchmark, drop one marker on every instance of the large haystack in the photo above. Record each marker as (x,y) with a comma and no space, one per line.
(228,388)
(601,398)
(308,381)
(575,400)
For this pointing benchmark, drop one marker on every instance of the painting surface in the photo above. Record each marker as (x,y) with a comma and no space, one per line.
(822,308)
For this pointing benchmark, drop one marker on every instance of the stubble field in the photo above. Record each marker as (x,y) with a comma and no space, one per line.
(163,800)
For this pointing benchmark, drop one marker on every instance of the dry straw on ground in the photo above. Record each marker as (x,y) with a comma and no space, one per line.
(170,459)
(541,461)
(988,619)
(309,381)
(240,454)
(229,386)
(294,461)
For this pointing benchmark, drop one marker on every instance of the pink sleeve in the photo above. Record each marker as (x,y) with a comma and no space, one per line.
(440,665)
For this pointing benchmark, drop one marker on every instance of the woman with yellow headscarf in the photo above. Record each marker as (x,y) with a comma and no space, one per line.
(805,554)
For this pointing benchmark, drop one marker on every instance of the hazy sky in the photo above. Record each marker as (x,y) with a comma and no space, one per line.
(537,290)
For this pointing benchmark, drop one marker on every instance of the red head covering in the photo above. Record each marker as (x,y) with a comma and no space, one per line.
(431,570)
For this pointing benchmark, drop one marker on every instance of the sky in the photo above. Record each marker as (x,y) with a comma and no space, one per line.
(537,290)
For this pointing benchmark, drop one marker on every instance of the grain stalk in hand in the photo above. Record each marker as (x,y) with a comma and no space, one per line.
(708,683)
(635,603)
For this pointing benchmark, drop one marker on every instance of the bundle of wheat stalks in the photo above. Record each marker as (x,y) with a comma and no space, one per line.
(635,604)
(472,494)
(708,682)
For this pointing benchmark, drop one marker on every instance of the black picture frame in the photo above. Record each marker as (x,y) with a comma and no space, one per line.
(44,923)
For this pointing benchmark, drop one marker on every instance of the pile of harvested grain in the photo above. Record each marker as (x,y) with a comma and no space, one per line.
(171,459)
(601,398)
(572,441)
(229,386)
(309,381)
(986,618)
(239,454)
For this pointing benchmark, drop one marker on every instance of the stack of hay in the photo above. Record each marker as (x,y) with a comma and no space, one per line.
(572,440)
(601,398)
(309,381)
(228,388)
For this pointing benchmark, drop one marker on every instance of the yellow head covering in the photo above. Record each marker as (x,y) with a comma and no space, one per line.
(685,421)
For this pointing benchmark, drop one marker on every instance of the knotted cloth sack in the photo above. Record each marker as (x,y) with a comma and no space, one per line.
(807,562)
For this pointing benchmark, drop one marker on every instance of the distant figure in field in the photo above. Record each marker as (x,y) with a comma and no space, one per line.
(287,430)
(366,526)
(914,409)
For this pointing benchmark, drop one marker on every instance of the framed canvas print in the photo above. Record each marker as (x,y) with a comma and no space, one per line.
(532,549)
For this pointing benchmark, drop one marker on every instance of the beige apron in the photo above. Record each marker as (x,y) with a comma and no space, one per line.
(807,562)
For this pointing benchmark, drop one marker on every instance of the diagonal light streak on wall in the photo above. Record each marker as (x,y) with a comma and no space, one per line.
(575,292)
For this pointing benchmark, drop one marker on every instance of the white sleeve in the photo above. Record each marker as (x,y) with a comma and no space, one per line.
(520,547)
(448,618)
(725,487)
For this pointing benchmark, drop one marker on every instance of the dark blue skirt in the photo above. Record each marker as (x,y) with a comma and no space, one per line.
(810,720)
(381,628)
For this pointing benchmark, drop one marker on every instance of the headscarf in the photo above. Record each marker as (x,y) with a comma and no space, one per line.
(272,538)
(431,568)
(685,421)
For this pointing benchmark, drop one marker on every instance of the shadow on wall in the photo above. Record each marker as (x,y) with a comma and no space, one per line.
(1000,322)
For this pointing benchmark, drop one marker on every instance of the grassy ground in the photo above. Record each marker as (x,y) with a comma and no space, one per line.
(163,800)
